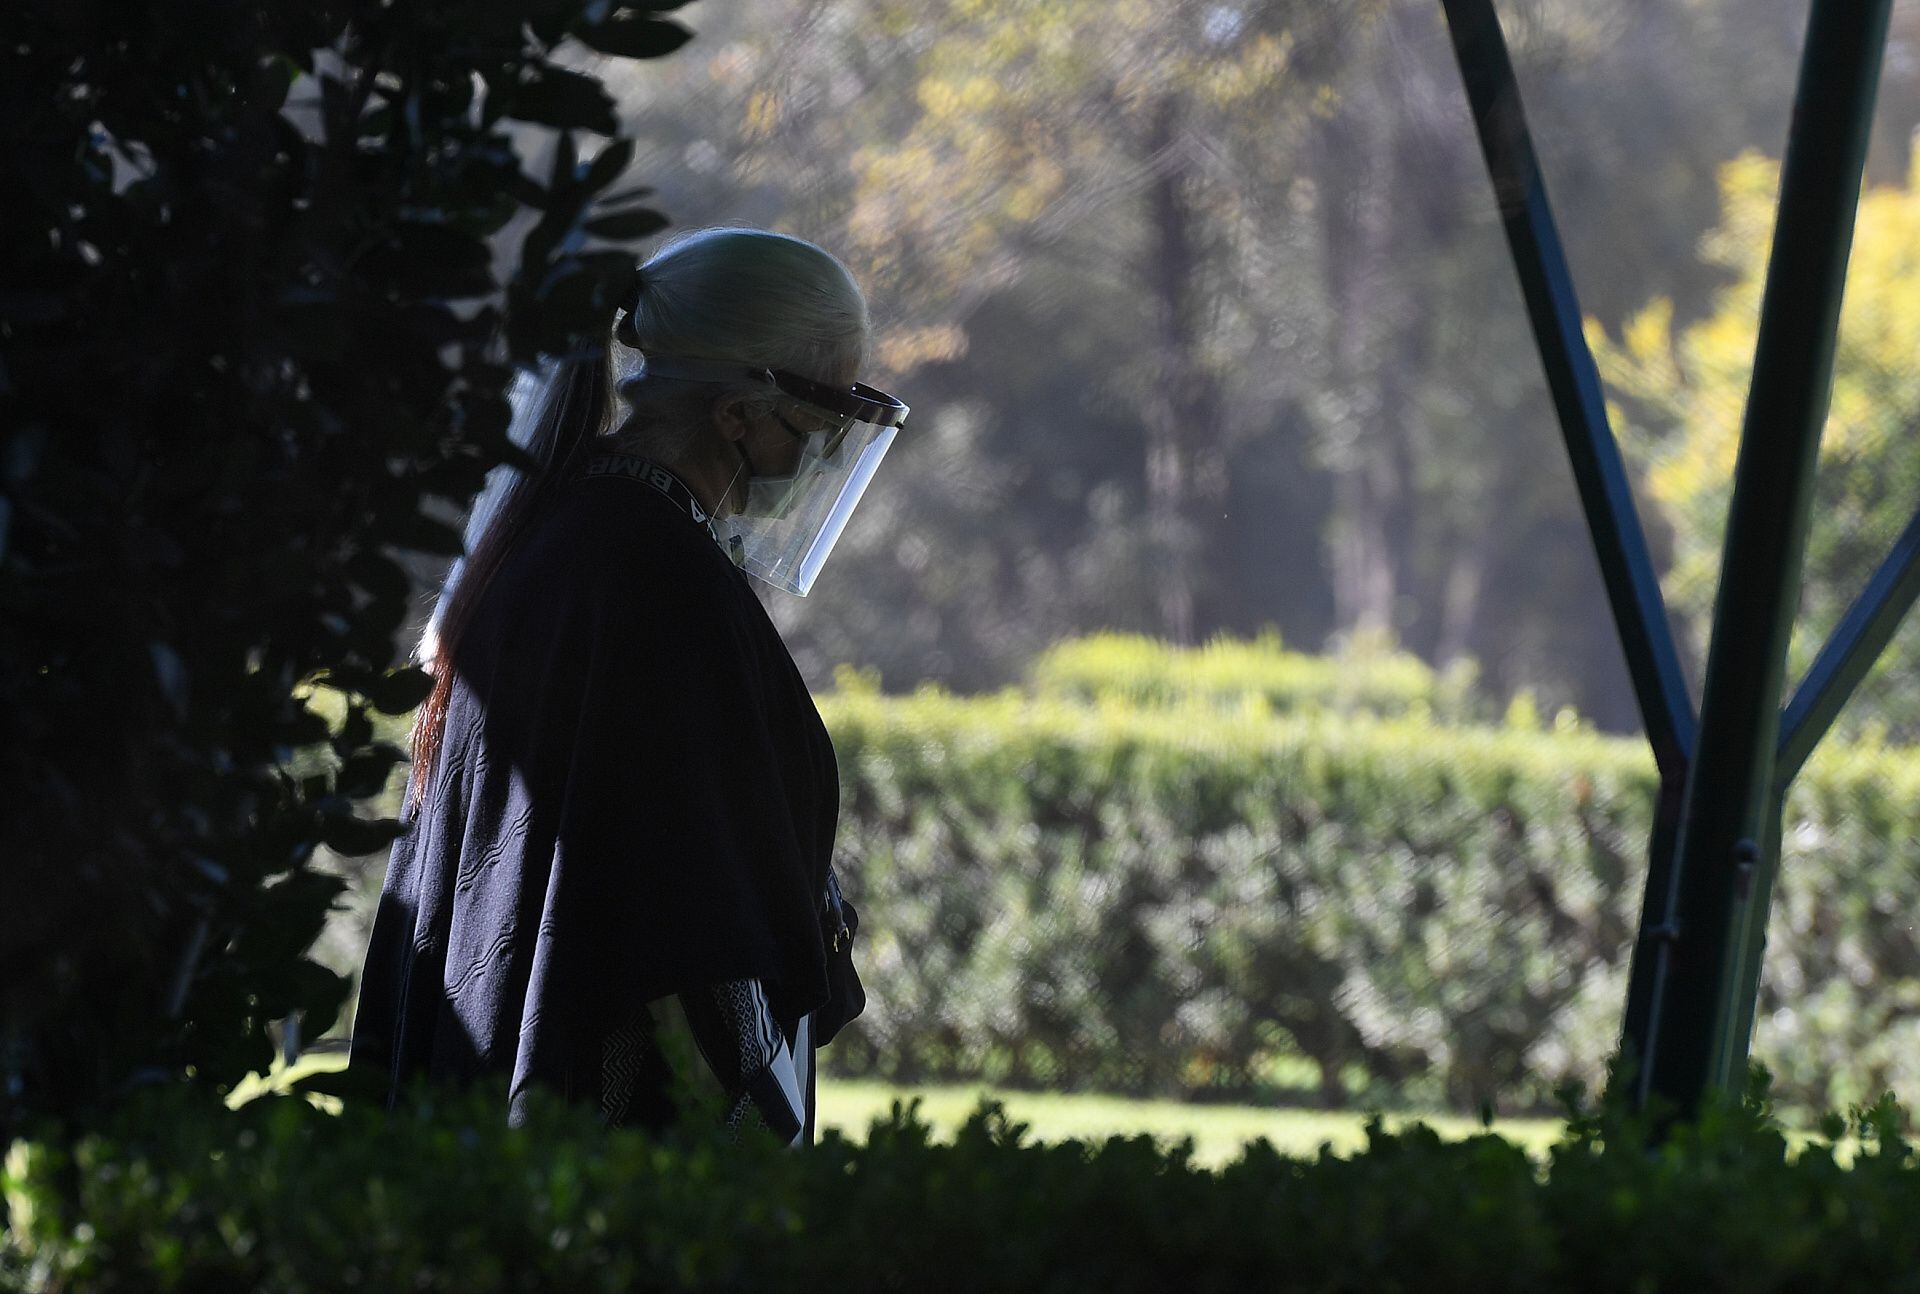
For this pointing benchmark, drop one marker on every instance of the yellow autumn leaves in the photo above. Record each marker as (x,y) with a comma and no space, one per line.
(1680,391)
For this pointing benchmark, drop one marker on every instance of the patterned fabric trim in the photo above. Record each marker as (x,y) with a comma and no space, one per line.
(748,1062)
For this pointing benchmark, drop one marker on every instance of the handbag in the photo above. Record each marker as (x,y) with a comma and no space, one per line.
(839,923)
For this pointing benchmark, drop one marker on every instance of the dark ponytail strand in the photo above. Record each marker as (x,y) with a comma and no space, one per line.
(576,406)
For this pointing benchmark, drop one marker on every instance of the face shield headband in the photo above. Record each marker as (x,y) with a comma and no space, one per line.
(789,526)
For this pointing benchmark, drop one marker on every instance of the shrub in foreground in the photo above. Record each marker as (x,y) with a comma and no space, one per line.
(259,329)
(281,1197)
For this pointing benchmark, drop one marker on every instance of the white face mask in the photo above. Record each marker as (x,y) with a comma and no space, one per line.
(772,495)
(788,524)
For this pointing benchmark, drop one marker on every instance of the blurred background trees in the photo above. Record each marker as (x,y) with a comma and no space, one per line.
(1206,312)
(1682,389)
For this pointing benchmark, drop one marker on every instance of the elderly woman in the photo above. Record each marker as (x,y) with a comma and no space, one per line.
(614,880)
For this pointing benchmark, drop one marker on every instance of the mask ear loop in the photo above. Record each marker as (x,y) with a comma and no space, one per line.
(735,549)
(726,495)
(746,464)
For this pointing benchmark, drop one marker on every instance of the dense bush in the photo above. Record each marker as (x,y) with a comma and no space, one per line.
(1158,900)
(282,1199)
(1363,678)
(1188,899)
(257,337)
(1185,889)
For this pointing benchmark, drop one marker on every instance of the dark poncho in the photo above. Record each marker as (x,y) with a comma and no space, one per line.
(634,797)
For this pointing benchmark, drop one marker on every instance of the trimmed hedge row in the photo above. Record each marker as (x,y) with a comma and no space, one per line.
(1196,900)
(1214,873)
(1369,678)
(279,1198)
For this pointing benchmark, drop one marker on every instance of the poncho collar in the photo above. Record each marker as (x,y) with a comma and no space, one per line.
(634,467)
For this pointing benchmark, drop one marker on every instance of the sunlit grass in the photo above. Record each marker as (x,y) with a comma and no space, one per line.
(1218,1131)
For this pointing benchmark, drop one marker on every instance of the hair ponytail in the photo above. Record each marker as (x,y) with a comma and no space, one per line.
(570,408)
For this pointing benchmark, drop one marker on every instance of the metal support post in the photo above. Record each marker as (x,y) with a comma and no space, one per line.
(1753,890)
(1553,308)
(1600,474)
(1857,642)
(1722,879)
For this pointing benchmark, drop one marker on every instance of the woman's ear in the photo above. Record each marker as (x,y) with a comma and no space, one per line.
(732,414)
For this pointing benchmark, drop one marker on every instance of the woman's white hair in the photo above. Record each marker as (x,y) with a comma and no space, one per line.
(725,293)
(767,299)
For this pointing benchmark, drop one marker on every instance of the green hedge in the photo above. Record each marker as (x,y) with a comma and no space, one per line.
(282,1199)
(1365,677)
(1197,899)
(1228,873)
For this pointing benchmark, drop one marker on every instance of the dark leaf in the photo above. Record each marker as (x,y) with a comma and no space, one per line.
(354,837)
(365,775)
(563,99)
(620,197)
(304,728)
(621,226)
(271,81)
(318,993)
(287,917)
(397,691)
(566,156)
(380,575)
(426,534)
(314,331)
(356,730)
(608,164)
(632,35)
(524,190)
(418,258)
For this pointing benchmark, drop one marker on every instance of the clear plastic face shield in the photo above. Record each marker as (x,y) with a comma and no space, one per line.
(786,526)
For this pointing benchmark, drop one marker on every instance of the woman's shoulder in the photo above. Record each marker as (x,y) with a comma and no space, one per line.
(628,533)
(641,552)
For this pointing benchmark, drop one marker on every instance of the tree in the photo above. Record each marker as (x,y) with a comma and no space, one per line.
(251,325)
(1681,396)
(1361,374)
(1101,139)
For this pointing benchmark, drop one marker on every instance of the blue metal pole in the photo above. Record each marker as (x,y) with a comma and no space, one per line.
(1722,878)
(1856,643)
(1553,308)
(1600,474)
(1862,634)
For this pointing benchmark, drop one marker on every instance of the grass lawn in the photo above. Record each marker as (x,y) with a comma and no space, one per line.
(1218,1131)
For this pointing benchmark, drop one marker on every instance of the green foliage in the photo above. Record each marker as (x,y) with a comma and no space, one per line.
(1269,222)
(1065,888)
(1169,899)
(257,347)
(1682,395)
(282,1198)
(1362,677)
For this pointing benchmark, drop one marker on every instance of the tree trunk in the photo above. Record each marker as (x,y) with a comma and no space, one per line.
(1460,600)
(1369,478)
(1182,413)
